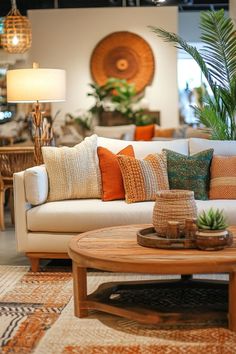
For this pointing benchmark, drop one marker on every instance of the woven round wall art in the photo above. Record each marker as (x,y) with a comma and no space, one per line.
(123,55)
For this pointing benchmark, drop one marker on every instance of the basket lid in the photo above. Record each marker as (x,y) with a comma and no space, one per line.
(175,194)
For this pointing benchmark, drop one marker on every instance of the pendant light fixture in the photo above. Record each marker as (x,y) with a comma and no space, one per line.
(17,36)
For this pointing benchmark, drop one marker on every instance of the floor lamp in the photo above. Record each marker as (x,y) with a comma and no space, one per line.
(34,86)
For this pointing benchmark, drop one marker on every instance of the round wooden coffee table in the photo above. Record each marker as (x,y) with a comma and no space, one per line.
(115,249)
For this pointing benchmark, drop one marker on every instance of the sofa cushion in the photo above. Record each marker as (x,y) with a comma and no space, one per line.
(223,177)
(144,132)
(112,182)
(164,132)
(73,172)
(190,172)
(221,147)
(125,132)
(143,178)
(36,185)
(86,214)
(75,216)
(144,148)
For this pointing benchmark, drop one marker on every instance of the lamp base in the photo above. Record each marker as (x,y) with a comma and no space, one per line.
(43,135)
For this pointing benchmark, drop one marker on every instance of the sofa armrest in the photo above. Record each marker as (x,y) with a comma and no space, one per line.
(20,208)
(36,185)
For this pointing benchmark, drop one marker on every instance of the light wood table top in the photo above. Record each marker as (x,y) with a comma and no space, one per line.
(116,249)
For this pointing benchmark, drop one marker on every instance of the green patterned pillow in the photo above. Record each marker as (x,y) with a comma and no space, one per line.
(190,172)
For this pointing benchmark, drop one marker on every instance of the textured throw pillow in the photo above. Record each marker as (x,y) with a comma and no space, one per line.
(223,177)
(73,172)
(144,133)
(164,132)
(143,178)
(112,182)
(190,172)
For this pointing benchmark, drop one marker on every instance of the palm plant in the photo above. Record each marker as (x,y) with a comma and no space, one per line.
(217,61)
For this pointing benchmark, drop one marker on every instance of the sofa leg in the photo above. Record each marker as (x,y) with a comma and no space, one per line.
(34,264)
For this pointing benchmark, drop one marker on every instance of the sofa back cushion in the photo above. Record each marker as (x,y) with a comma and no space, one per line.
(36,185)
(144,148)
(73,172)
(221,147)
(124,132)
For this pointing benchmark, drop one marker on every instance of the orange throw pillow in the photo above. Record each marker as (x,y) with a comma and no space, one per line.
(223,177)
(164,132)
(112,182)
(145,132)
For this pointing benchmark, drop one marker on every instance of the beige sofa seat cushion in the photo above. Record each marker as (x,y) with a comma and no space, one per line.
(87,214)
(221,147)
(144,148)
(75,216)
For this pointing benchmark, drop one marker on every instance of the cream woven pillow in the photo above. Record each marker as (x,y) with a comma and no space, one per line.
(73,172)
(143,178)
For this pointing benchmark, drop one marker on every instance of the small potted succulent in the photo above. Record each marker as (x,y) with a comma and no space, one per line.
(212,231)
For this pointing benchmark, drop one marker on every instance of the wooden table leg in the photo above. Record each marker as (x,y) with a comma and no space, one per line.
(232,301)
(80,290)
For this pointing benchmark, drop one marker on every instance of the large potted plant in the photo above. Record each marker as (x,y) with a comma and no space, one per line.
(217,61)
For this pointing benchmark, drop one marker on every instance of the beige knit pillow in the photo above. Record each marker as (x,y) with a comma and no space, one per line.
(73,172)
(143,178)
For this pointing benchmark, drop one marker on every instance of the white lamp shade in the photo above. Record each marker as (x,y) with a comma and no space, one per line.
(31,85)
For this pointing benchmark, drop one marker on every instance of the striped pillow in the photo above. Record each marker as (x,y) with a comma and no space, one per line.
(143,178)
(223,177)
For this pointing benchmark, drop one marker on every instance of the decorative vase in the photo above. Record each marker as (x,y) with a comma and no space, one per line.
(173,205)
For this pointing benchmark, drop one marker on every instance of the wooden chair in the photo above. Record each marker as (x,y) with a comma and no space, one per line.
(12,159)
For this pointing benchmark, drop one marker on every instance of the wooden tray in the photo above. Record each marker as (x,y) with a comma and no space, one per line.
(148,238)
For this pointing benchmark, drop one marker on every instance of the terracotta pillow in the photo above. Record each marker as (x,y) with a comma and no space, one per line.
(164,132)
(112,182)
(145,132)
(223,177)
(143,178)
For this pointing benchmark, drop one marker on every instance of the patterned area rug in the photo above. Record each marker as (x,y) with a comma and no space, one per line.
(37,317)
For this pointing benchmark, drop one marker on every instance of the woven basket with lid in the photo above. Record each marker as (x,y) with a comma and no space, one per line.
(173,205)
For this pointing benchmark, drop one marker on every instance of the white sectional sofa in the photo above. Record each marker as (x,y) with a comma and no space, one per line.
(44,230)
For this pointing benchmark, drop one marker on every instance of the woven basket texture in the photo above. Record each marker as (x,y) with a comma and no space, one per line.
(15,159)
(173,205)
(17,36)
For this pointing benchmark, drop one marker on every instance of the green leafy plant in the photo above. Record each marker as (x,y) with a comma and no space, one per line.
(212,219)
(118,95)
(217,61)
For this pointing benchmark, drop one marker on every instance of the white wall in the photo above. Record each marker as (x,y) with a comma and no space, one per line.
(65,38)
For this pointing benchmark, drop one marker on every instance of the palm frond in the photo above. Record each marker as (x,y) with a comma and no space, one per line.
(191,50)
(219,37)
(217,61)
